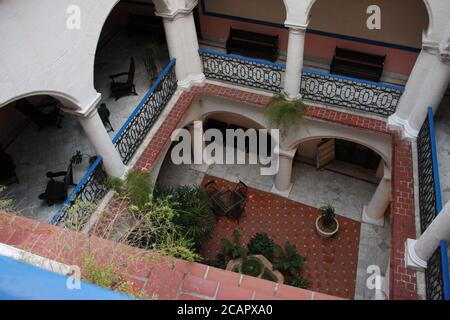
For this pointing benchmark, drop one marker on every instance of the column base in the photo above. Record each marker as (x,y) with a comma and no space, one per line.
(412,261)
(285,193)
(367,219)
(293,98)
(192,80)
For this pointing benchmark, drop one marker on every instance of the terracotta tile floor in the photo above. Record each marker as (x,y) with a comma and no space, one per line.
(330,264)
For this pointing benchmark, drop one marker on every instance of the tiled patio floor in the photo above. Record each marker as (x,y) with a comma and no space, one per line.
(330,264)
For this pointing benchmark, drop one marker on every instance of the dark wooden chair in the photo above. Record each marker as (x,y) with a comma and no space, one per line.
(42,119)
(253,44)
(357,64)
(56,191)
(104,114)
(7,169)
(123,89)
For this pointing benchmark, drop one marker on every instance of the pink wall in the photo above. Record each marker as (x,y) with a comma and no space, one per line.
(397,60)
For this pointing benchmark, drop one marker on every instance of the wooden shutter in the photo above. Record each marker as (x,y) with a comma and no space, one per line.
(326,152)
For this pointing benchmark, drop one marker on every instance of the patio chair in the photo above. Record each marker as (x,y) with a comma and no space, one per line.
(238,212)
(7,169)
(104,114)
(242,189)
(211,188)
(40,118)
(56,191)
(123,89)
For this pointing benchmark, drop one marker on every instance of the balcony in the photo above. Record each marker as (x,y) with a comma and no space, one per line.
(317,87)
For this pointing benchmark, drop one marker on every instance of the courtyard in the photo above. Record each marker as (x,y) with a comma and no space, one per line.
(335,266)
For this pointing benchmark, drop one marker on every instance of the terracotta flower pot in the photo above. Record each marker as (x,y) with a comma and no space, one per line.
(325,233)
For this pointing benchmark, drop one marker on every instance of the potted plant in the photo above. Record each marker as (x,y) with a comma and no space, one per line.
(282,113)
(326,224)
(252,266)
(151,55)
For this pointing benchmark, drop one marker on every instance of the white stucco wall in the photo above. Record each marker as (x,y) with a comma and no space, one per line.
(40,55)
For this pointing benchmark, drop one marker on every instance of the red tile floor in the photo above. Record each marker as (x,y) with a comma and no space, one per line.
(330,264)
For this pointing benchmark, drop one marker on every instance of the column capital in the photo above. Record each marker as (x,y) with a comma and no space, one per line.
(286,153)
(412,260)
(89,110)
(164,11)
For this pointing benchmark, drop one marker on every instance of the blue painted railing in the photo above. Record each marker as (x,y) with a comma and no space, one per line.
(316,86)
(439,205)
(91,188)
(141,120)
(22,281)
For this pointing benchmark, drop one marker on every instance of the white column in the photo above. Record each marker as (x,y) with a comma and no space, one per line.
(374,212)
(435,86)
(97,134)
(183,45)
(294,61)
(283,184)
(413,87)
(426,87)
(419,251)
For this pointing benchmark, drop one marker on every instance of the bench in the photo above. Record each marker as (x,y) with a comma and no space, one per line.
(150,25)
(252,44)
(357,64)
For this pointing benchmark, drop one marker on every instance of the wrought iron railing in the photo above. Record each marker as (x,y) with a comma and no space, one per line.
(135,129)
(243,71)
(321,87)
(430,204)
(91,189)
(372,97)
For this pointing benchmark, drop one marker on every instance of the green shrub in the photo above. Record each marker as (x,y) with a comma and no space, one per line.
(235,250)
(261,244)
(283,114)
(287,260)
(193,213)
(137,187)
(299,282)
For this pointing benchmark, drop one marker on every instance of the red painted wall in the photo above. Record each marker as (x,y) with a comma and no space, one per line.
(397,60)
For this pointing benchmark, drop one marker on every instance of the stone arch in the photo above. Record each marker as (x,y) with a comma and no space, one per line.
(69,103)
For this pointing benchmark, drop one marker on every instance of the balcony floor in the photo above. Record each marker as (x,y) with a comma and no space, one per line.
(35,153)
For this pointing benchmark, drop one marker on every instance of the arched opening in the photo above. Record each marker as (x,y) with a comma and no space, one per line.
(395,33)
(37,137)
(172,175)
(336,171)
(131,53)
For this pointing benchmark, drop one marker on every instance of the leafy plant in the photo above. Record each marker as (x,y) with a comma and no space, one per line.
(193,212)
(235,250)
(155,230)
(105,277)
(151,54)
(299,282)
(261,244)
(78,215)
(5,203)
(137,187)
(283,114)
(252,267)
(287,260)
(328,216)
